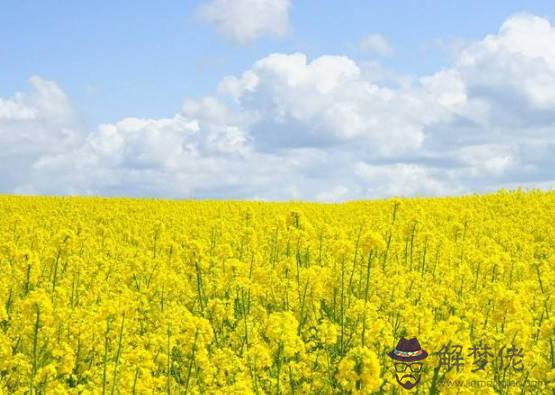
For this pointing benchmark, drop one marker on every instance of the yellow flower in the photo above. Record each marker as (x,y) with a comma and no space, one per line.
(359,371)
(328,332)
(150,296)
(372,241)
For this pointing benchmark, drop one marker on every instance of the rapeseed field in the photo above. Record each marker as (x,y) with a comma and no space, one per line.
(135,296)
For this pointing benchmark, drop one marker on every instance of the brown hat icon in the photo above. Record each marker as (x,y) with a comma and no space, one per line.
(408,350)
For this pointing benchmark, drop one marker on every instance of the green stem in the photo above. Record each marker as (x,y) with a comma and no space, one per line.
(54,278)
(193,352)
(105,361)
(366,296)
(135,381)
(168,382)
(35,343)
(118,353)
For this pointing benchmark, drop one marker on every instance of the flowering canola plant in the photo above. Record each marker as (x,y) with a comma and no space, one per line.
(131,296)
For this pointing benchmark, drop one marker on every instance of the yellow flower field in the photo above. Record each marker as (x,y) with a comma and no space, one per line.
(126,296)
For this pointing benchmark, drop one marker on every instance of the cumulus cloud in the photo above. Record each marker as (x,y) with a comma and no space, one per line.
(325,102)
(402,179)
(291,127)
(243,21)
(335,194)
(514,70)
(34,124)
(376,43)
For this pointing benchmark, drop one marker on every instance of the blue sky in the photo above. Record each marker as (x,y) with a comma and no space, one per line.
(111,61)
(142,57)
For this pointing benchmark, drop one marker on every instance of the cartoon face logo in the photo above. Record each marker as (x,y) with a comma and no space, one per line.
(407,356)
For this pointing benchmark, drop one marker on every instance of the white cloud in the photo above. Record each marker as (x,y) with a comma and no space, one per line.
(376,43)
(325,102)
(322,128)
(244,21)
(14,109)
(519,61)
(494,159)
(34,124)
(405,179)
(336,194)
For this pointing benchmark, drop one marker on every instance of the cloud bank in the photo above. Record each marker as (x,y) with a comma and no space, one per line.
(376,43)
(291,127)
(244,21)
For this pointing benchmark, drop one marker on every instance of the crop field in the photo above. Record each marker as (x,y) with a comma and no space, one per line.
(131,296)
